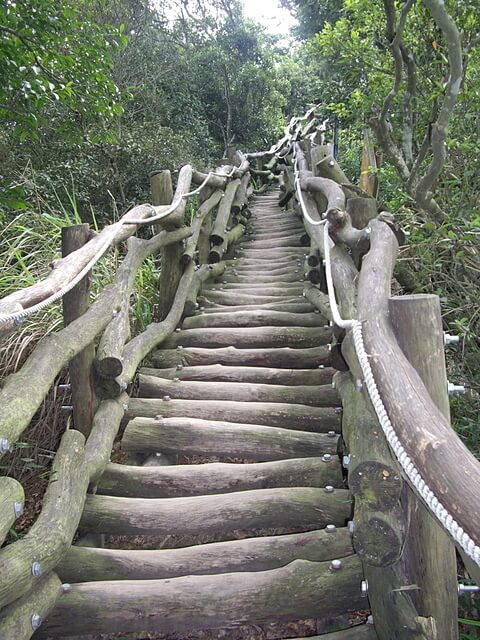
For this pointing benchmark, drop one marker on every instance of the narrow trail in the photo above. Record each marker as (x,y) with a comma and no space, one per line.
(238,383)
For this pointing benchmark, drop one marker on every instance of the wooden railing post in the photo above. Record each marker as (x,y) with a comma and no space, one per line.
(171,269)
(431,558)
(75,304)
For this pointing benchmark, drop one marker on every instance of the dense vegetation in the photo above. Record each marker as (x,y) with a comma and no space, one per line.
(94,94)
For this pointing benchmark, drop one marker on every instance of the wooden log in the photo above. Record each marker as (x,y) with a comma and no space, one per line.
(241,198)
(75,303)
(291,240)
(19,619)
(286,593)
(361,211)
(359,632)
(109,358)
(342,230)
(250,554)
(106,423)
(258,318)
(204,210)
(217,477)
(331,191)
(329,168)
(155,333)
(53,531)
(282,357)
(295,289)
(201,275)
(275,414)
(425,432)
(194,436)
(12,499)
(215,181)
(319,300)
(154,387)
(429,556)
(368,169)
(217,237)
(253,338)
(291,307)
(285,508)
(266,375)
(216,253)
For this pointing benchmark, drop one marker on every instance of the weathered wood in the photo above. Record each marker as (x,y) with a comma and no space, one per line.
(429,556)
(16,619)
(328,167)
(217,237)
(109,359)
(198,221)
(265,375)
(222,514)
(250,554)
(361,211)
(192,602)
(425,432)
(12,499)
(293,289)
(75,304)
(53,531)
(291,307)
(319,300)
(368,169)
(155,387)
(201,275)
(217,477)
(241,197)
(194,436)
(253,337)
(290,416)
(283,357)
(359,632)
(161,187)
(331,191)
(229,298)
(216,253)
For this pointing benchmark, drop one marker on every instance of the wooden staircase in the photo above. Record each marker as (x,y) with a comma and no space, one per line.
(245,380)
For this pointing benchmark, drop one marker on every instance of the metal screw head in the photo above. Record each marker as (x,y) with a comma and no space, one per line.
(4,445)
(330,528)
(123,386)
(329,489)
(326,457)
(335,565)
(166,398)
(176,380)
(370,620)
(36,569)
(453,389)
(359,385)
(364,587)
(338,410)
(333,384)
(351,526)
(158,417)
(179,348)
(17,509)
(115,313)
(64,387)
(321,366)
(346,461)
(449,339)
(329,347)
(36,621)
(467,588)
(125,407)
(179,367)
(67,408)
(331,163)
(331,434)
(177,330)
(66,587)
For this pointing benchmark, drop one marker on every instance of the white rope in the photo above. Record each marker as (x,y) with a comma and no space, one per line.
(414,476)
(19,316)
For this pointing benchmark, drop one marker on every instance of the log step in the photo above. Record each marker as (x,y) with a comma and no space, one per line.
(253,442)
(282,357)
(298,417)
(225,373)
(184,480)
(300,306)
(189,603)
(289,509)
(83,564)
(237,298)
(312,395)
(250,337)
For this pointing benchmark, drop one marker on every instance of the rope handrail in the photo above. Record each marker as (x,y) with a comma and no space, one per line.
(448,522)
(19,316)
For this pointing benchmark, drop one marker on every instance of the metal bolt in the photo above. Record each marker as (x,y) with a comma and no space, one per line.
(368,231)
(321,366)
(329,489)
(36,569)
(316,311)
(158,417)
(330,528)
(351,526)
(125,407)
(359,385)
(364,588)
(19,321)
(455,388)
(17,509)
(176,379)
(338,410)
(67,408)
(64,387)
(166,398)
(179,348)
(331,163)
(177,330)
(333,384)
(335,565)
(331,434)
(202,308)
(467,588)
(4,445)
(370,620)
(329,347)
(123,386)
(449,339)
(36,621)
(324,262)
(66,587)
(179,367)
(326,457)
(346,461)
(115,313)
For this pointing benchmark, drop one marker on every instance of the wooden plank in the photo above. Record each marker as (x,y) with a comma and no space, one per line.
(298,417)
(82,564)
(192,602)
(194,436)
(12,499)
